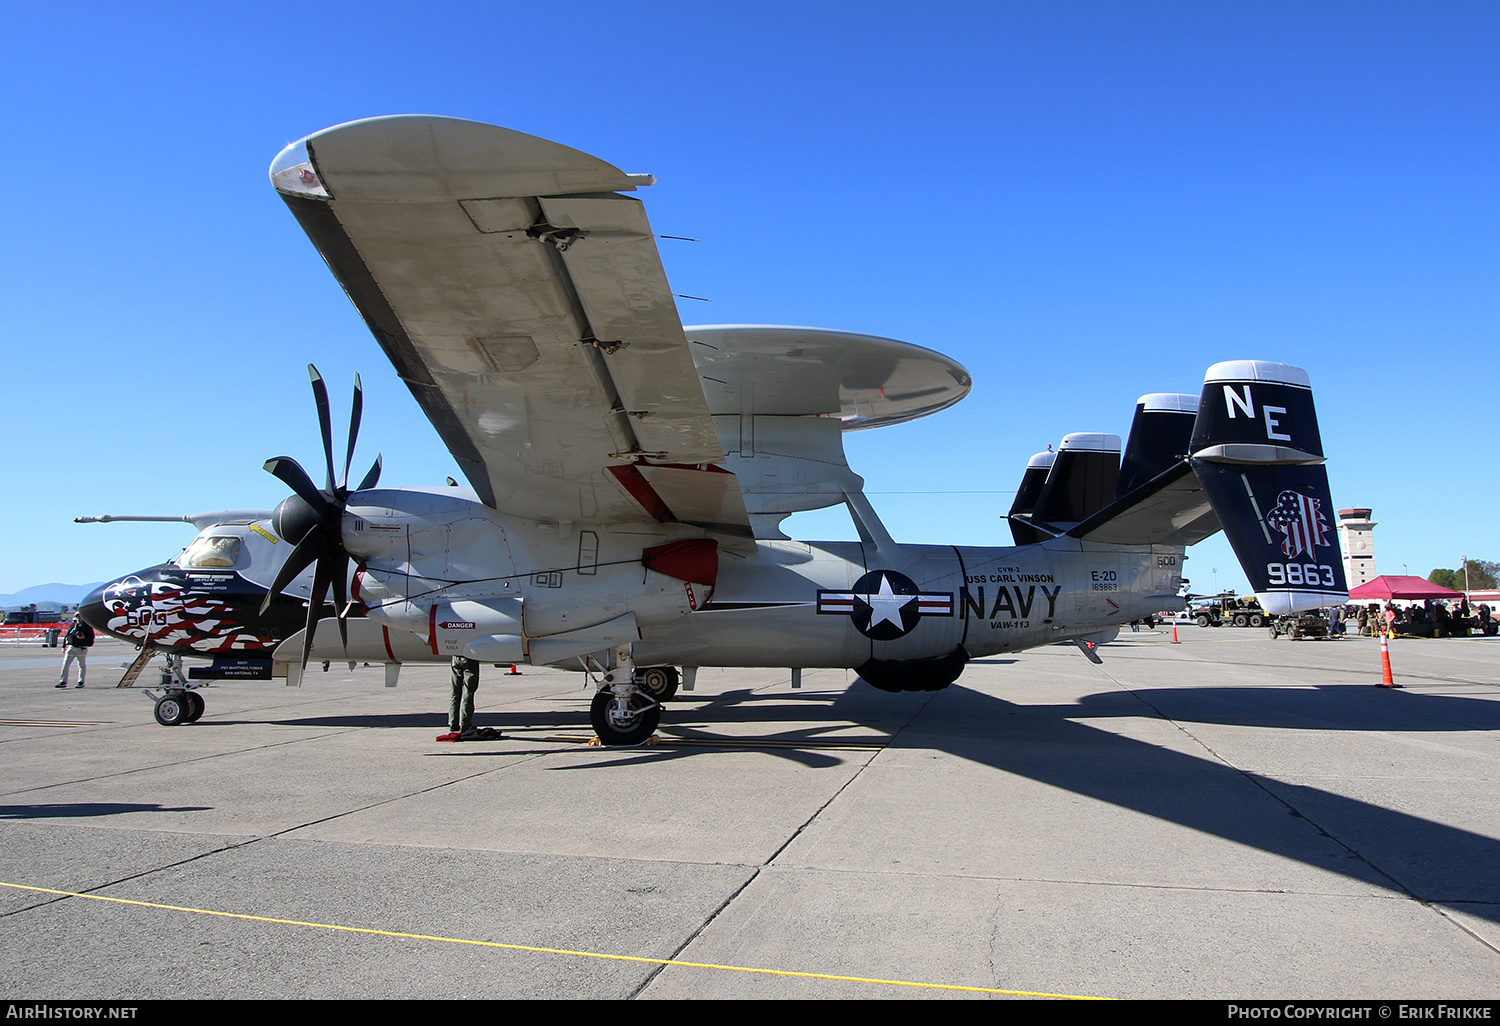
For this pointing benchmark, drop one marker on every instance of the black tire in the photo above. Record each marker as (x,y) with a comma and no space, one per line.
(660,682)
(1201,619)
(197,704)
(1256,620)
(1241,620)
(1295,633)
(626,730)
(171,710)
(1274,632)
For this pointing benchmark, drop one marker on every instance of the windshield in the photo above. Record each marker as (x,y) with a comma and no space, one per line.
(211,552)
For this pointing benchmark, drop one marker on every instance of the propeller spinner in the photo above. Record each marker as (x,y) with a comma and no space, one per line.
(313,519)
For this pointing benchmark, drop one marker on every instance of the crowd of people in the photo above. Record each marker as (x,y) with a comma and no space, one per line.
(1426,619)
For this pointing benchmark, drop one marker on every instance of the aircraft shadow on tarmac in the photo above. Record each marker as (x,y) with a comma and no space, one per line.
(1378,846)
(1394,850)
(1321,707)
(437,721)
(88,810)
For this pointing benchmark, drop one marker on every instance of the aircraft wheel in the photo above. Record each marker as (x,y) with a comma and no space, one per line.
(660,682)
(171,710)
(196,707)
(627,726)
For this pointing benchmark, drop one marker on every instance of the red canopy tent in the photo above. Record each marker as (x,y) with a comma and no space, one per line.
(1395,586)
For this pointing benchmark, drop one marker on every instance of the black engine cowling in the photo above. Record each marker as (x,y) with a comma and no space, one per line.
(932,674)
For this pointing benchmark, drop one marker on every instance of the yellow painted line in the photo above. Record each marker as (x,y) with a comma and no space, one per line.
(553,951)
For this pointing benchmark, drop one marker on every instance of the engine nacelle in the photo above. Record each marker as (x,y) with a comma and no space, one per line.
(489,631)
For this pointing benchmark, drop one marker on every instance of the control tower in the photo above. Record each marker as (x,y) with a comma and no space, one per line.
(1357,533)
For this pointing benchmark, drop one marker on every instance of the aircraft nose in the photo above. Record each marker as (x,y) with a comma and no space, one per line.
(92,608)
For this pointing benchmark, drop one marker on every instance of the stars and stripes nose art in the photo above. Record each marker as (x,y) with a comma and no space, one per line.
(885,605)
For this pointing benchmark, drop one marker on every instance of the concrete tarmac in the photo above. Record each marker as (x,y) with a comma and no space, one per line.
(1229,817)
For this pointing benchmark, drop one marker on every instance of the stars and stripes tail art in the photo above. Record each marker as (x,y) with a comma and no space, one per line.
(1300,518)
(1258,455)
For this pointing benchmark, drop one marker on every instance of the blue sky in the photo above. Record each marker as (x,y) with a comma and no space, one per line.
(1081,202)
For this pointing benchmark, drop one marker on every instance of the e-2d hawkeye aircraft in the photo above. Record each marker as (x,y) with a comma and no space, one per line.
(629,475)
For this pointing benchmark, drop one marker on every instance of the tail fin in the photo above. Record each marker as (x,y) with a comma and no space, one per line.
(1026,495)
(1159,437)
(1079,483)
(1258,455)
(1255,468)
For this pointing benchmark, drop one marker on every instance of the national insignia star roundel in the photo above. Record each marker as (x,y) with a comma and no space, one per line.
(885,605)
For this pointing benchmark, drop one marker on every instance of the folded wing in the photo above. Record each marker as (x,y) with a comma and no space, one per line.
(522,300)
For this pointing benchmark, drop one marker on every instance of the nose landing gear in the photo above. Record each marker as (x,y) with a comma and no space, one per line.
(178,702)
(179,706)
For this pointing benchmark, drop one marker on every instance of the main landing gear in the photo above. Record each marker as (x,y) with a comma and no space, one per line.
(627,707)
(660,682)
(624,715)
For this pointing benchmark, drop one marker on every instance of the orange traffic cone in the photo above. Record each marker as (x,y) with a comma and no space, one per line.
(513,671)
(1174,635)
(1385,664)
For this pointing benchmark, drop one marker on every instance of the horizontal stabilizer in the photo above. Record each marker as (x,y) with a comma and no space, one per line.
(1157,499)
(1170,509)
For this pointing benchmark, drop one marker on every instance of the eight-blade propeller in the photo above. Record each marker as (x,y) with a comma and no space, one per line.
(313,520)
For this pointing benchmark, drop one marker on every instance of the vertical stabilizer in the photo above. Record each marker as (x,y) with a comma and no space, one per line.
(1081,481)
(1257,452)
(1026,496)
(1160,436)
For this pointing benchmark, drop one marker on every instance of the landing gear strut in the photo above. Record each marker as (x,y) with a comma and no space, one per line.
(178,702)
(626,708)
(624,719)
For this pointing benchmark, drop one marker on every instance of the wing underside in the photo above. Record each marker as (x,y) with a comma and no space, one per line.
(522,300)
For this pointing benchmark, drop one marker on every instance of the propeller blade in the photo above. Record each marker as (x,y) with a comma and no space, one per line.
(314,607)
(339,576)
(290,473)
(372,477)
(320,393)
(306,552)
(354,414)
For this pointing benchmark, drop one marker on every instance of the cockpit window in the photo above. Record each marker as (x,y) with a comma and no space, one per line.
(212,552)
